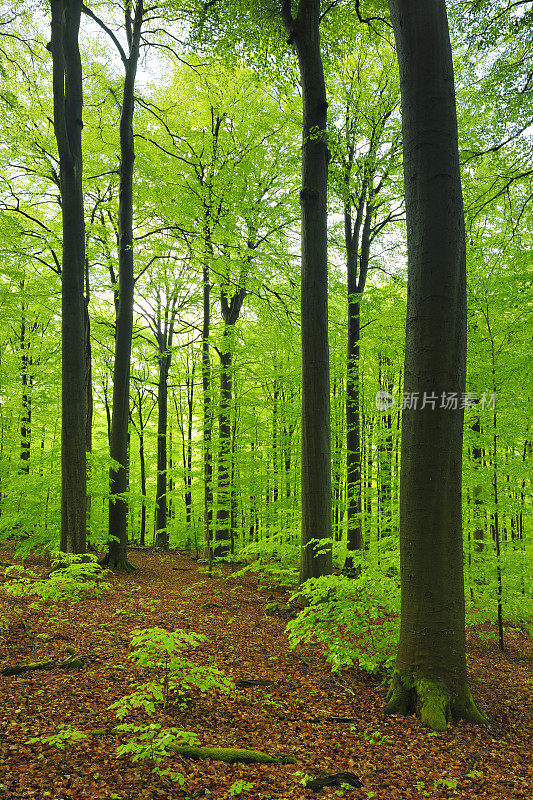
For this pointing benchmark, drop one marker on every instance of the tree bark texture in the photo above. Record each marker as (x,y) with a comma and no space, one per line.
(118,478)
(68,102)
(161,511)
(230,310)
(431,671)
(304,34)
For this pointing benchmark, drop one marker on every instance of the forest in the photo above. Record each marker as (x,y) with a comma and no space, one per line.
(266,433)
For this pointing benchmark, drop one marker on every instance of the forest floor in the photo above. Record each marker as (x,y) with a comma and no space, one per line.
(299,713)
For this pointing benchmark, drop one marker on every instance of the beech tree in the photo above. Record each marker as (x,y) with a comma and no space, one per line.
(118,475)
(68,101)
(303,30)
(365,147)
(431,673)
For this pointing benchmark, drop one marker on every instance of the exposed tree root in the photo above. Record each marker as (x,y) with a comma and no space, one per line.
(435,704)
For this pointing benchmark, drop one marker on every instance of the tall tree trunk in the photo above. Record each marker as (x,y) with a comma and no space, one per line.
(68,102)
(142,535)
(161,531)
(188,458)
(478,534)
(304,34)
(355,232)
(431,673)
(207,408)
(117,556)
(26,380)
(223,532)
(89,405)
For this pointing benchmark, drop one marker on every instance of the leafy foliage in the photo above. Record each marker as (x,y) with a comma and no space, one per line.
(156,648)
(72,577)
(162,650)
(355,619)
(65,733)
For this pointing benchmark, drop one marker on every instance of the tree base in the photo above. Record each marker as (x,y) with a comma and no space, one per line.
(162,541)
(117,562)
(435,704)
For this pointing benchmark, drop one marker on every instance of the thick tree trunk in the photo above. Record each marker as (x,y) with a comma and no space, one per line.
(431,673)
(303,32)
(117,556)
(68,102)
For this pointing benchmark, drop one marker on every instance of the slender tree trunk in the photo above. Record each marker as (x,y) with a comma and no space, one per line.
(230,309)
(478,534)
(161,531)
(89,407)
(68,102)
(431,674)
(117,556)
(207,412)
(143,486)
(223,533)
(303,32)
(357,270)
(26,380)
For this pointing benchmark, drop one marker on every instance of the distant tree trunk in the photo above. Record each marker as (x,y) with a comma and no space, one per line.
(161,530)
(303,32)
(431,674)
(68,102)
(207,404)
(230,309)
(385,454)
(142,536)
(478,534)
(26,380)
(357,270)
(187,445)
(117,556)
(88,379)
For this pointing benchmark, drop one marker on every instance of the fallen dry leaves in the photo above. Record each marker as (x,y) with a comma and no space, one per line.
(298,713)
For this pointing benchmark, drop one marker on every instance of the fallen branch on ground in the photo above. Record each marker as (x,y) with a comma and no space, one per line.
(230,754)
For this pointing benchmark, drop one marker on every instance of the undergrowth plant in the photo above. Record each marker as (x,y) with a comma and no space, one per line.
(71,577)
(163,651)
(356,620)
(65,734)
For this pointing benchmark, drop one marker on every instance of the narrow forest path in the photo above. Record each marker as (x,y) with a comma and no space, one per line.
(329,723)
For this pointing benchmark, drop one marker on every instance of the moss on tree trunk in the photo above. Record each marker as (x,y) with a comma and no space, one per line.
(435,703)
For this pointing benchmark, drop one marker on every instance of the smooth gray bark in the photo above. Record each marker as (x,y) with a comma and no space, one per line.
(230,309)
(119,478)
(431,673)
(68,103)
(304,35)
